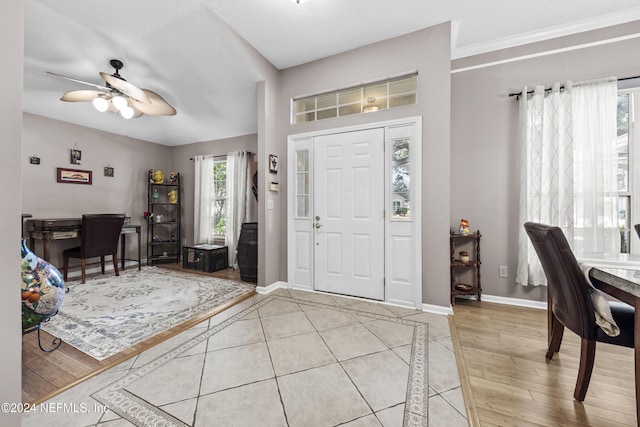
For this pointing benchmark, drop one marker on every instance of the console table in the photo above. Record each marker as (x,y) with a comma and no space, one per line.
(50,229)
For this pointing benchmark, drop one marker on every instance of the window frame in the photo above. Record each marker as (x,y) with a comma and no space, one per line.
(353,106)
(219,160)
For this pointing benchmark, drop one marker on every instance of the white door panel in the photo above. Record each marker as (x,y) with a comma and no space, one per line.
(349,210)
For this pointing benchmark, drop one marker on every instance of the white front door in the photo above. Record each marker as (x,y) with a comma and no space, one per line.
(348,213)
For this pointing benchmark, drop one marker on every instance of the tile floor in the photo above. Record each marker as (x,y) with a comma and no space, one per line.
(290,358)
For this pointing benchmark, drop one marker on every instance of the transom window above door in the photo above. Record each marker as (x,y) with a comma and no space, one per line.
(368,98)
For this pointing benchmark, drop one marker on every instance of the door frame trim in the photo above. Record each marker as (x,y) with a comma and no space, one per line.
(415,121)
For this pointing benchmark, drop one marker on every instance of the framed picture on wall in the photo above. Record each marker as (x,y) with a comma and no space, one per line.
(73,176)
(76,156)
(273,163)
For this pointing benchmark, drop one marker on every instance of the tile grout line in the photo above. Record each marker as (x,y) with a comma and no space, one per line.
(273,368)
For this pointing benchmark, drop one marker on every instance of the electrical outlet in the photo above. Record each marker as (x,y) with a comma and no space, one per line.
(503,271)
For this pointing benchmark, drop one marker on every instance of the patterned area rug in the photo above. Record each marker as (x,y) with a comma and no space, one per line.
(107,315)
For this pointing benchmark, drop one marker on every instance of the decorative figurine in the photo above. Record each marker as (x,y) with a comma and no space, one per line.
(173,196)
(464,227)
(173,177)
(464,256)
(158,177)
(155,195)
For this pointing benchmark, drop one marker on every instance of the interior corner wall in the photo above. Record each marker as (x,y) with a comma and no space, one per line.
(11,46)
(126,191)
(271,206)
(484,139)
(427,52)
(180,162)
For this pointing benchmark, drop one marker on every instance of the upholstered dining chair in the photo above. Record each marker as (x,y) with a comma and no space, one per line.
(98,238)
(571,302)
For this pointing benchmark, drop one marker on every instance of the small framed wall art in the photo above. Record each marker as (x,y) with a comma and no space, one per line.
(108,171)
(74,176)
(273,163)
(76,155)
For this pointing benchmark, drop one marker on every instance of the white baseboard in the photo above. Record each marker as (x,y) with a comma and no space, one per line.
(437,309)
(264,290)
(542,305)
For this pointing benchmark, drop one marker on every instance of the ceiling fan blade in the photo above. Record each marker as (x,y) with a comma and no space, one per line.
(125,87)
(157,106)
(79,81)
(83,95)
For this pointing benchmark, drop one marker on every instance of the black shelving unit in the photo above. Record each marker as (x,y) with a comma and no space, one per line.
(164,218)
(471,266)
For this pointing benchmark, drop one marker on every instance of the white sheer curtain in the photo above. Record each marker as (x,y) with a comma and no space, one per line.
(595,105)
(241,203)
(567,166)
(204,199)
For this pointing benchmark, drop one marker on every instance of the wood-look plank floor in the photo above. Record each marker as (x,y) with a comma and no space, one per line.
(46,374)
(513,384)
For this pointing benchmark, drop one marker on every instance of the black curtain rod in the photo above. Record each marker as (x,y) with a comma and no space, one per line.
(519,94)
(215,157)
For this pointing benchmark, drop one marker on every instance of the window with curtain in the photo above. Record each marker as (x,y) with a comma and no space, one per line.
(628,181)
(569,169)
(224,199)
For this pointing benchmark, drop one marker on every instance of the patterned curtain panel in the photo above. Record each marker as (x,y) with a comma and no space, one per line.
(568,169)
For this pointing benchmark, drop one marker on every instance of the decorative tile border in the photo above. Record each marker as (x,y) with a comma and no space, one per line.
(142,413)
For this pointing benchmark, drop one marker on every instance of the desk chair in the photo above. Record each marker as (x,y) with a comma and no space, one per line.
(571,303)
(98,238)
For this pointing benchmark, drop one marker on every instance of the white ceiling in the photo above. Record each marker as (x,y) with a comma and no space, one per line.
(187,51)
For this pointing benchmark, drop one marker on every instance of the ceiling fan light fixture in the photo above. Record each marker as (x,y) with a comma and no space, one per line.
(126,112)
(370,108)
(119,102)
(101,104)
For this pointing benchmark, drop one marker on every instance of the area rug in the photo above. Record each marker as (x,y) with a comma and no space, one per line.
(109,314)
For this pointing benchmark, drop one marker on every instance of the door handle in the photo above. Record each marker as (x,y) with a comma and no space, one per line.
(318,225)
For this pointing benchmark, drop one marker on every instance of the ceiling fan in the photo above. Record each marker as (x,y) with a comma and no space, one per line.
(119,96)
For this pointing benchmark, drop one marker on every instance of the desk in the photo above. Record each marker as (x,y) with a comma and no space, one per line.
(625,286)
(47,230)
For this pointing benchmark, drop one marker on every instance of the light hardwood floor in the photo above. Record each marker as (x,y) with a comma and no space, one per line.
(47,374)
(513,384)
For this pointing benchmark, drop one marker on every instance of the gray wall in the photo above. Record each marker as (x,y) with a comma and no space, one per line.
(11,48)
(484,141)
(180,162)
(428,52)
(126,192)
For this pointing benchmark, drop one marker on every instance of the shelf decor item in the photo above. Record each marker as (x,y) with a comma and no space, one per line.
(157,177)
(464,226)
(173,196)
